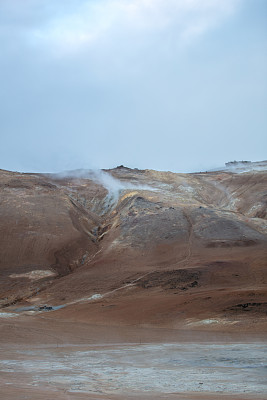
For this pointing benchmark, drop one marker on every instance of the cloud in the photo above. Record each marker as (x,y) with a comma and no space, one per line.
(93,24)
(93,84)
(104,39)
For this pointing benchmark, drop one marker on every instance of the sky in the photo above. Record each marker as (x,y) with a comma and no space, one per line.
(175,85)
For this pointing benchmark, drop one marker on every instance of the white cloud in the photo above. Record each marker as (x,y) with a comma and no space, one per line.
(95,23)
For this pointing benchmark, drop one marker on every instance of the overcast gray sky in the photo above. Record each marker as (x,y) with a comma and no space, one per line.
(175,85)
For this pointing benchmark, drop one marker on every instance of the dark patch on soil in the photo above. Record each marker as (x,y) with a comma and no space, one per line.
(177,279)
(256,307)
(231,243)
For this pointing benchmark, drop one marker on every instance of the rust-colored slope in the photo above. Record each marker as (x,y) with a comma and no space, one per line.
(173,251)
(44,234)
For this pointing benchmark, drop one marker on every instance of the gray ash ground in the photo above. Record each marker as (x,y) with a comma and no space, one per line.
(140,368)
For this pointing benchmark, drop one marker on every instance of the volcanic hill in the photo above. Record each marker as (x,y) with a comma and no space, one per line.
(129,247)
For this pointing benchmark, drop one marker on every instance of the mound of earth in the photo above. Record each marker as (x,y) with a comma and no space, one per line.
(136,248)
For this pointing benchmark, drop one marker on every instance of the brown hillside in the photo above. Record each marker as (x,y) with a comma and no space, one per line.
(159,250)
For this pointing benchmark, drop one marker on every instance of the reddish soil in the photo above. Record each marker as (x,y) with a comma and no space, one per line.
(164,258)
(169,249)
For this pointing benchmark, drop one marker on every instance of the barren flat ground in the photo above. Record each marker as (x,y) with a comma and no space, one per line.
(44,358)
